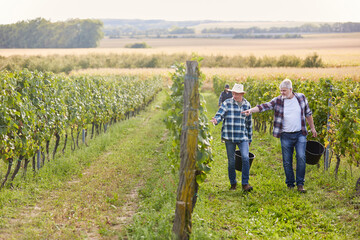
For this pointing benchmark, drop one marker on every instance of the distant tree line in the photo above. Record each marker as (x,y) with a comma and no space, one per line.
(140,24)
(178,30)
(305,28)
(272,36)
(41,33)
(136,28)
(129,31)
(117,28)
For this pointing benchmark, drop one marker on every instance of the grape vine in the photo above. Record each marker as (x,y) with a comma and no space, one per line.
(36,107)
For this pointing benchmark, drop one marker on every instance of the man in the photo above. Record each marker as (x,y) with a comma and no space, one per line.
(226,94)
(290,111)
(236,131)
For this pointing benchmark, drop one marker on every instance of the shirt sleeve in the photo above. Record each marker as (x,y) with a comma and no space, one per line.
(248,124)
(219,116)
(308,111)
(267,106)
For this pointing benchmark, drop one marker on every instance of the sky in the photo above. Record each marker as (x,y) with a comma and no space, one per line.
(12,11)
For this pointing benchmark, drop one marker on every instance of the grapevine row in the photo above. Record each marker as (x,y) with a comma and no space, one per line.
(35,107)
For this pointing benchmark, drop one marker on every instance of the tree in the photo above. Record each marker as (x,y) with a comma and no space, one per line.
(41,33)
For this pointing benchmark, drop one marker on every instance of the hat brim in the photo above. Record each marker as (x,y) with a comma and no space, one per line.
(237,91)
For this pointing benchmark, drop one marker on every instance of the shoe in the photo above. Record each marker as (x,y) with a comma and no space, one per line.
(291,187)
(247,188)
(233,186)
(301,189)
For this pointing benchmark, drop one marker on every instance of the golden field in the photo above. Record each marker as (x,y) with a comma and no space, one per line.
(334,49)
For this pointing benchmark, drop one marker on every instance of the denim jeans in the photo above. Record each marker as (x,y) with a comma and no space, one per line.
(244,149)
(289,142)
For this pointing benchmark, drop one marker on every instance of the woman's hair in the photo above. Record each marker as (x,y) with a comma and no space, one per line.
(286,84)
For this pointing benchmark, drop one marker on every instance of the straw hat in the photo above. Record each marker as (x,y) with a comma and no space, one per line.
(238,88)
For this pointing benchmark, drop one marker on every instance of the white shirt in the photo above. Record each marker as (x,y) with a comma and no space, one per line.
(292,115)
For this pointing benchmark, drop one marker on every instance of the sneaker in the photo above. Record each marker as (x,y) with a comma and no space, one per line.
(247,188)
(301,189)
(233,186)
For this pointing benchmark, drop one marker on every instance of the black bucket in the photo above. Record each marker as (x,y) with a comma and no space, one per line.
(238,160)
(314,151)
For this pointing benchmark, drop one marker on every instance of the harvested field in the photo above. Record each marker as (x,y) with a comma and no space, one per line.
(334,49)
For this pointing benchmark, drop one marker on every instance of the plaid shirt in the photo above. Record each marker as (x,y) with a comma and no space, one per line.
(277,104)
(236,127)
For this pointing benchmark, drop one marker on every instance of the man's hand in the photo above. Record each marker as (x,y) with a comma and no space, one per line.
(247,112)
(213,120)
(250,111)
(310,121)
(314,133)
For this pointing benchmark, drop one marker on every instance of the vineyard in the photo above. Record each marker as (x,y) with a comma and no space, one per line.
(37,108)
(44,115)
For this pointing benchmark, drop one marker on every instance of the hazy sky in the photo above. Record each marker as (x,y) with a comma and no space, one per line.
(12,11)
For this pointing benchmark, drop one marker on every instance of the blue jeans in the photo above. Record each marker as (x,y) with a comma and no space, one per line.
(244,149)
(289,142)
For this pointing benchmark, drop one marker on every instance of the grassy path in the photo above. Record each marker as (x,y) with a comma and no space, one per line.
(103,197)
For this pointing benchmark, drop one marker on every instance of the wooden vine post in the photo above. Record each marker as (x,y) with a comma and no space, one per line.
(187,188)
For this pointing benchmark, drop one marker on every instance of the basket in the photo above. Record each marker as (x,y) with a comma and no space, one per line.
(238,160)
(314,151)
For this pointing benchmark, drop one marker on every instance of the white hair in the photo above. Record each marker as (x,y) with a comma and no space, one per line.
(286,84)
